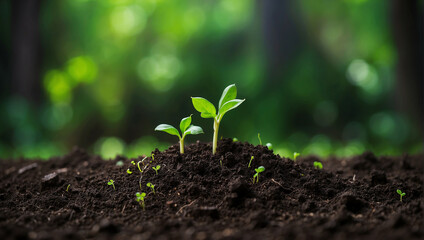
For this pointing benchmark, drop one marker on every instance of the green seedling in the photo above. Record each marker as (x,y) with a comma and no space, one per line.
(317,165)
(259,137)
(151,186)
(139,197)
(132,162)
(129,171)
(251,158)
(119,163)
(227,102)
(295,155)
(153,157)
(401,194)
(269,146)
(156,169)
(258,170)
(185,127)
(235,140)
(111,183)
(67,188)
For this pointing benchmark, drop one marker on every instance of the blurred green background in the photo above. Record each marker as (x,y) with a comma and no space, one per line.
(319,77)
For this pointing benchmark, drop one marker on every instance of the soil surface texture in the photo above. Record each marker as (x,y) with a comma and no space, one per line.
(203,196)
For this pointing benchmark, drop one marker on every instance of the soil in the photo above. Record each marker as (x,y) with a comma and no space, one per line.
(203,196)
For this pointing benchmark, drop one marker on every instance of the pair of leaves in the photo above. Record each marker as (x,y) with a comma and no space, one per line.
(400,192)
(140,196)
(227,102)
(185,127)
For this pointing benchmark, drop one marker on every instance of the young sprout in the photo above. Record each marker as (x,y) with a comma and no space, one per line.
(317,165)
(129,171)
(401,194)
(259,137)
(151,186)
(139,197)
(119,163)
(295,155)
(251,158)
(156,169)
(185,127)
(111,182)
(269,146)
(67,188)
(227,102)
(153,157)
(235,140)
(133,163)
(258,170)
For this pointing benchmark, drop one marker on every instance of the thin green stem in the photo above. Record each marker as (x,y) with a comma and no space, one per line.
(215,135)
(181,145)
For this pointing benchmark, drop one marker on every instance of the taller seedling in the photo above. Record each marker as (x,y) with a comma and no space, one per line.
(185,127)
(208,110)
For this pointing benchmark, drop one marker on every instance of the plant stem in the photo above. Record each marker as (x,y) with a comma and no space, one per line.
(215,135)
(181,145)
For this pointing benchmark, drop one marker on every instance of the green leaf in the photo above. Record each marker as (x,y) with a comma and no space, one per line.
(168,129)
(185,123)
(228,94)
(399,191)
(260,169)
(193,130)
(229,106)
(207,115)
(204,106)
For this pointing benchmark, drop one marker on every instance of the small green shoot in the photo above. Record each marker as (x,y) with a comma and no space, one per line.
(67,188)
(401,194)
(317,165)
(151,186)
(295,155)
(153,157)
(235,140)
(111,183)
(119,163)
(132,162)
(129,171)
(259,137)
(227,102)
(156,169)
(258,170)
(251,158)
(269,146)
(185,127)
(139,197)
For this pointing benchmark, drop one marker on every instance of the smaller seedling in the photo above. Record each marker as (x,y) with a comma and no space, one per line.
(258,170)
(156,169)
(259,137)
(269,146)
(151,186)
(67,188)
(185,127)
(317,165)
(139,197)
(295,155)
(153,157)
(111,182)
(129,171)
(251,158)
(119,163)
(235,140)
(133,163)
(401,194)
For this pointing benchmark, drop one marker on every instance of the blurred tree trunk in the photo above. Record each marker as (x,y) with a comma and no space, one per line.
(407,27)
(26,49)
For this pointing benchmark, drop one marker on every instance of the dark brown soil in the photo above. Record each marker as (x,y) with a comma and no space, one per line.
(197,198)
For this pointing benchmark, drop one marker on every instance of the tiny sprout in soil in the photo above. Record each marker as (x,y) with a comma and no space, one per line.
(227,102)
(156,169)
(401,194)
(67,188)
(317,165)
(185,127)
(129,171)
(258,170)
(111,183)
(235,140)
(269,146)
(259,137)
(132,162)
(139,197)
(295,155)
(151,186)
(251,158)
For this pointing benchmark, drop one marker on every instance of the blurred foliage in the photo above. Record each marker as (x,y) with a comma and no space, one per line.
(114,69)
